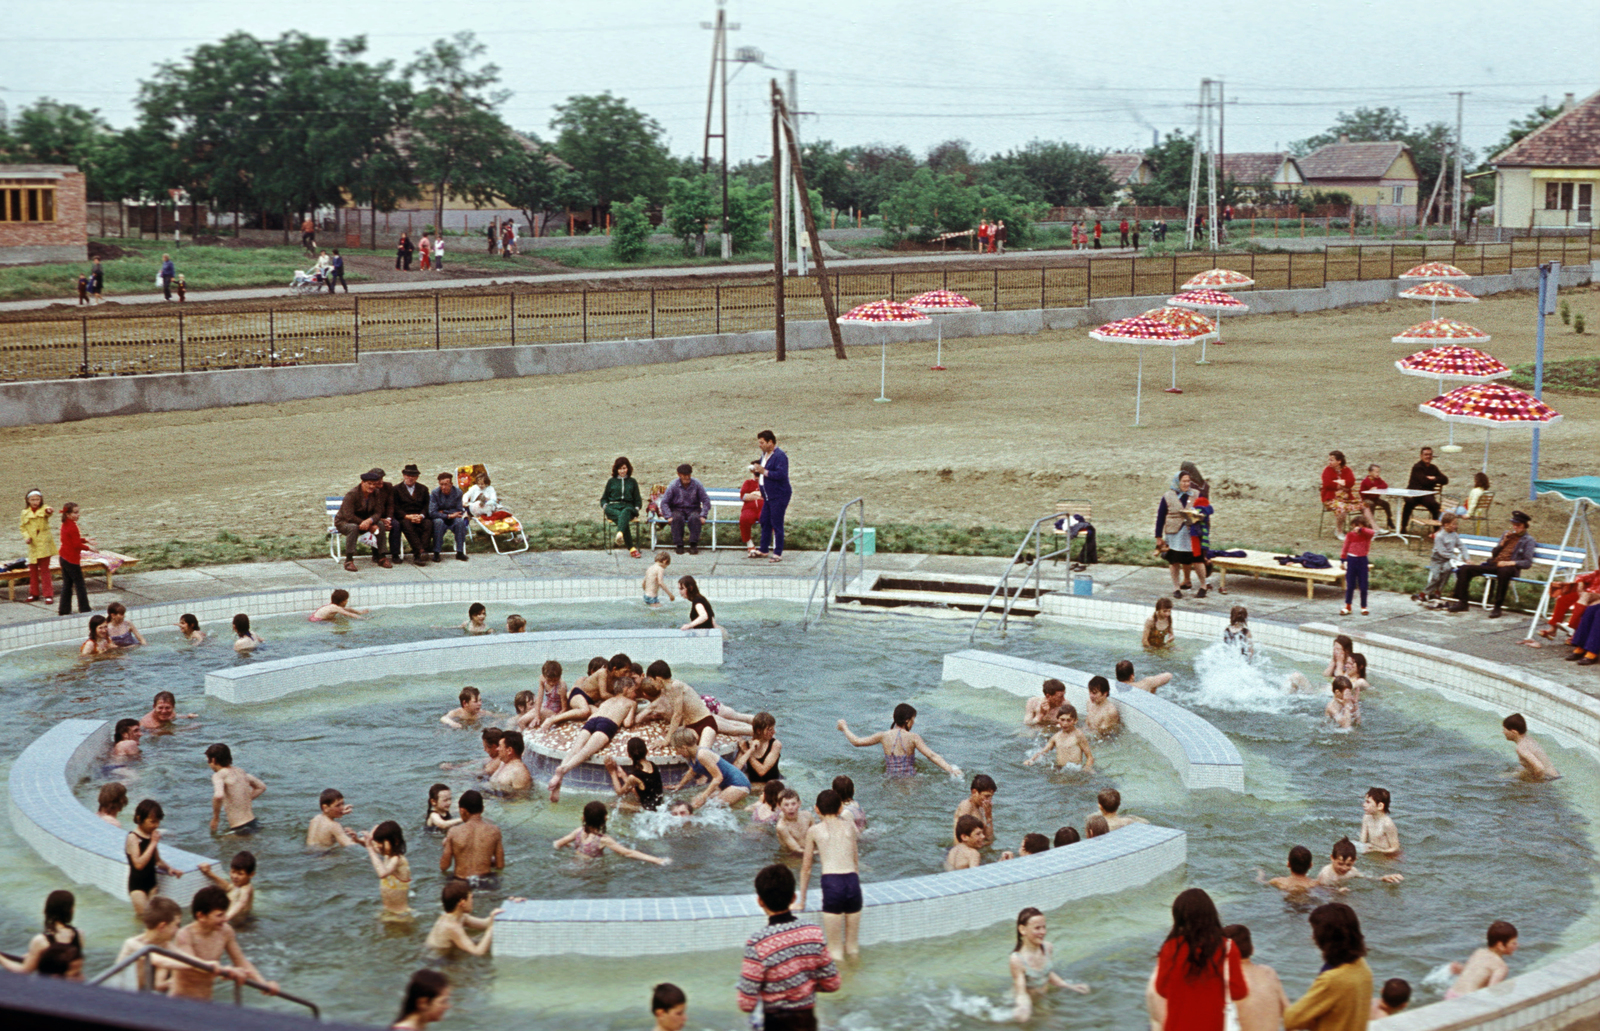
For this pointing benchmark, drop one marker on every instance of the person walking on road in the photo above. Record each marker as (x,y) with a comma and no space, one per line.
(336,272)
(168,271)
(1122,227)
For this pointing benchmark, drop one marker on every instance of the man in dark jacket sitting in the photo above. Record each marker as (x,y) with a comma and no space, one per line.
(1511,556)
(370,507)
(686,501)
(1424,476)
(411,517)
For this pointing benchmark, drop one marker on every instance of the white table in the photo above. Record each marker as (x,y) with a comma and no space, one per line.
(1404,494)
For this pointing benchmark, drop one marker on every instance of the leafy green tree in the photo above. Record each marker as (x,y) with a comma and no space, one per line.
(50,132)
(537,182)
(617,150)
(928,204)
(1540,116)
(1170,162)
(692,203)
(630,229)
(457,140)
(749,212)
(1063,173)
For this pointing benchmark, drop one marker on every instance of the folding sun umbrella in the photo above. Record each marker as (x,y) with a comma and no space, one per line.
(1450,361)
(1492,406)
(1435,270)
(1210,300)
(885,313)
(1436,291)
(1219,279)
(941,302)
(1141,331)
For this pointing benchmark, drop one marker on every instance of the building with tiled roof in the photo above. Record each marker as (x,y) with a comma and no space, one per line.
(1277,172)
(1127,170)
(1379,176)
(1550,176)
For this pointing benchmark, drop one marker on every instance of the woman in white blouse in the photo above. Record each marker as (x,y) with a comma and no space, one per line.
(480,498)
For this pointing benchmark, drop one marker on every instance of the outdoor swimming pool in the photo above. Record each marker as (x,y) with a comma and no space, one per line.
(1479,845)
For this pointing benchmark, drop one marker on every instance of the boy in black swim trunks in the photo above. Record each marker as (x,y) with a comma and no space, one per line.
(613,714)
(833,840)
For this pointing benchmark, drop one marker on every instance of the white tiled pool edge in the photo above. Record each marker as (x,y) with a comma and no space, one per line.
(1202,754)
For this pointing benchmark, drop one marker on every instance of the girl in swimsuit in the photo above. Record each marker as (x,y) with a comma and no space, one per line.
(591,839)
(642,780)
(766,810)
(386,847)
(439,816)
(900,745)
(123,634)
(725,781)
(759,756)
(58,930)
(144,858)
(701,615)
(99,642)
(1033,964)
(550,699)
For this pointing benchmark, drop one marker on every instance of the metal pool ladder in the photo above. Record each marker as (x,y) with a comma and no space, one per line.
(1003,585)
(825,573)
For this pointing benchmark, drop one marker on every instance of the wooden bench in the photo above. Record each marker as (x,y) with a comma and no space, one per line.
(89,565)
(1556,563)
(723,501)
(1264,563)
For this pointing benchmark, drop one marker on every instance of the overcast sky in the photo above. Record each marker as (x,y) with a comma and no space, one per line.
(996,73)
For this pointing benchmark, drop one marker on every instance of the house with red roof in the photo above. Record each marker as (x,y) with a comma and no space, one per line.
(1549,178)
(1127,170)
(1381,177)
(1268,172)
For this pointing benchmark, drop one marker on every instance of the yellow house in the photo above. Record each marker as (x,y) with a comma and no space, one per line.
(1127,170)
(1550,176)
(1375,175)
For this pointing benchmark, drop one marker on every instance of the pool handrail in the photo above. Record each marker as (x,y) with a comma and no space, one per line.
(210,968)
(1032,570)
(824,577)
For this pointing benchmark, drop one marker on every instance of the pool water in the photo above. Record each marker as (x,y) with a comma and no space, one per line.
(1479,844)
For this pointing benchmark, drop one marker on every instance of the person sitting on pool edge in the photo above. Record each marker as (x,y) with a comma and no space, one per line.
(598,731)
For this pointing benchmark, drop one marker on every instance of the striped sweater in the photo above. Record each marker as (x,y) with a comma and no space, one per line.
(785,964)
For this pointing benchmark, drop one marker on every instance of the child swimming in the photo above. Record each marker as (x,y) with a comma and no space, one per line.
(386,848)
(337,608)
(243,639)
(900,745)
(765,811)
(471,706)
(1072,747)
(1487,966)
(591,839)
(240,884)
(1237,634)
(792,824)
(1342,867)
(477,619)
(639,786)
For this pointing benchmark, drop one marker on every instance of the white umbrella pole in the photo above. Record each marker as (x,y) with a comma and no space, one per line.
(938,362)
(1486,452)
(1202,360)
(1138,391)
(1451,447)
(883,373)
(1174,388)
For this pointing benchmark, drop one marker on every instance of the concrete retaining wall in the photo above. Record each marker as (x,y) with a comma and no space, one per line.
(49,401)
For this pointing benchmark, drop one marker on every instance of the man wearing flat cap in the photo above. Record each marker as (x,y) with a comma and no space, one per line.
(1513,554)
(411,517)
(370,507)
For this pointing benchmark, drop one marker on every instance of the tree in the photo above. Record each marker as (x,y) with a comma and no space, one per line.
(630,230)
(691,204)
(749,212)
(953,157)
(1064,174)
(50,132)
(457,140)
(928,204)
(1170,162)
(618,151)
(535,181)
(871,175)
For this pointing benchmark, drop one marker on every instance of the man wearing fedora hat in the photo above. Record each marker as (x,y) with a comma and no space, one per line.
(1513,554)
(368,508)
(411,517)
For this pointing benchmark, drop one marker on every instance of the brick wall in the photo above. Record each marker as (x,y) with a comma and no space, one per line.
(65,239)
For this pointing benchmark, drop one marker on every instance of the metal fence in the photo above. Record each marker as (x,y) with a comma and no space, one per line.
(179,341)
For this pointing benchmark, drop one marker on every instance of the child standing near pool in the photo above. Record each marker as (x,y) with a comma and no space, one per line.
(655,581)
(208,939)
(1353,557)
(233,789)
(338,607)
(1378,832)
(386,847)
(833,840)
(591,839)
(144,855)
(901,745)
(325,830)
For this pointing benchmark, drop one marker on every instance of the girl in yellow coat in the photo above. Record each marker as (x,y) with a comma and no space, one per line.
(35,525)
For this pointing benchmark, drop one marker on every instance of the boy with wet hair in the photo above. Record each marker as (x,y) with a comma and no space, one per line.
(1343,709)
(1396,995)
(477,620)
(1534,761)
(1378,832)
(516,624)
(670,1006)
(1487,965)
(792,823)
(325,830)
(161,918)
(512,773)
(232,789)
(1096,826)
(241,891)
(470,709)
(1110,800)
(979,803)
(850,809)
(1072,747)
(1342,867)
(208,939)
(969,839)
(654,583)
(1102,717)
(449,931)
(1041,710)
(1067,836)
(1262,1009)
(1126,681)
(786,962)
(1297,883)
(163,711)
(833,840)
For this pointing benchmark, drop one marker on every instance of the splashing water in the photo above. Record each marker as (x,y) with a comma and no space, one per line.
(1225,679)
(1440,977)
(659,824)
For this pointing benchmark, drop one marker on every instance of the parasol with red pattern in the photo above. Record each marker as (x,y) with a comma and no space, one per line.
(885,313)
(1219,279)
(1492,406)
(942,302)
(1143,331)
(1218,302)
(1435,291)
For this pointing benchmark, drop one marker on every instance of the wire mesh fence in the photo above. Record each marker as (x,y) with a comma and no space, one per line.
(165,341)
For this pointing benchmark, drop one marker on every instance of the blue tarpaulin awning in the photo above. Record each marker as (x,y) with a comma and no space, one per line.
(1572,488)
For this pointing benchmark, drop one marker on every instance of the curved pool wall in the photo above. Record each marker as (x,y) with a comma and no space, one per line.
(48,816)
(264,681)
(1202,754)
(894,911)
(1562,993)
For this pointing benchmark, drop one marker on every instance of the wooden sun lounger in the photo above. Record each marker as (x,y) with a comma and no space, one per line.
(1263,563)
(90,565)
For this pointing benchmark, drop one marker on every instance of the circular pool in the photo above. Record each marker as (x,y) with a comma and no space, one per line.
(1479,845)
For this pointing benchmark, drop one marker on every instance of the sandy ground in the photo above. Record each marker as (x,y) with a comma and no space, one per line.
(1016,423)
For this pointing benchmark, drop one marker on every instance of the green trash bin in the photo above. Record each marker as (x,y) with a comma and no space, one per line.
(866,540)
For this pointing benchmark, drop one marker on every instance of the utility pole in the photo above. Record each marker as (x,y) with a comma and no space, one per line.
(793,101)
(780,256)
(1211,176)
(1194,165)
(1455,208)
(811,224)
(719,67)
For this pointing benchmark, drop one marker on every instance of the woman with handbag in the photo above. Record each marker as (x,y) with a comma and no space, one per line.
(1198,971)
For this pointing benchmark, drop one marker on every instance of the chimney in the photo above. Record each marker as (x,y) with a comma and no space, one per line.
(1344,137)
(1569,101)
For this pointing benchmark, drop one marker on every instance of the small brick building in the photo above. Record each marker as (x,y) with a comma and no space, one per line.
(43,214)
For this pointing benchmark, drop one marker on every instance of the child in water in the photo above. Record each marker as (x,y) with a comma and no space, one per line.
(901,745)
(1487,966)
(766,810)
(1378,832)
(240,884)
(655,581)
(386,847)
(1342,867)
(639,786)
(477,619)
(440,817)
(1072,747)
(1033,964)
(337,608)
(1237,635)
(591,839)
(1343,709)
(244,641)
(126,733)
(1158,628)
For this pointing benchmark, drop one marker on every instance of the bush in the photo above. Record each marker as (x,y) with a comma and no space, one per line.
(691,206)
(1577,323)
(749,211)
(630,230)
(1566,314)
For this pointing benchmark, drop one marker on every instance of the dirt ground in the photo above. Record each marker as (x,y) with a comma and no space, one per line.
(1016,423)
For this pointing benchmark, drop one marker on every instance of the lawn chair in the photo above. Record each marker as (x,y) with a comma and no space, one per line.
(503,529)
(1420,517)
(335,538)
(1479,517)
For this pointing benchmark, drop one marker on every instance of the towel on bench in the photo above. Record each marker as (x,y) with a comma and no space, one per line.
(1309,559)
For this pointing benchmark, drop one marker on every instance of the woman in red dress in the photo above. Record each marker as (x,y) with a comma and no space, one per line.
(1339,490)
(1198,969)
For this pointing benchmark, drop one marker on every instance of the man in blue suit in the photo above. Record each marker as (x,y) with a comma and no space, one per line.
(773,469)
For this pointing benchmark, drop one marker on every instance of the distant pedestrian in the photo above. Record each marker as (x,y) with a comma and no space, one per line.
(168,270)
(83,289)
(97,282)
(425,253)
(492,232)
(1135,234)
(1122,227)
(983,236)
(1000,235)
(511,234)
(438,253)
(1098,230)
(402,253)
(182,288)
(308,235)
(336,272)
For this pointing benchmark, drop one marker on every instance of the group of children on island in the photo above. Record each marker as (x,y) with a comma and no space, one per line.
(785,962)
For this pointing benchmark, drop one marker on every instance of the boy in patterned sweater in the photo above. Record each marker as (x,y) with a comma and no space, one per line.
(786,962)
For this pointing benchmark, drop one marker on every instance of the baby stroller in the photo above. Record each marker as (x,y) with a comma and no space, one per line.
(308,281)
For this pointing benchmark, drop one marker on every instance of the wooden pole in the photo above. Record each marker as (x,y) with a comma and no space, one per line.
(828,300)
(777,240)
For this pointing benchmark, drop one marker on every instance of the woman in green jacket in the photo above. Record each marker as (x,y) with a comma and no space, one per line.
(620,502)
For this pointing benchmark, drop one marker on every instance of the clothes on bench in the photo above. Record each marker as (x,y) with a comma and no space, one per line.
(1309,560)
(1070,526)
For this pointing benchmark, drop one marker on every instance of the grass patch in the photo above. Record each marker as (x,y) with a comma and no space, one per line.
(202,268)
(1570,375)
(659,255)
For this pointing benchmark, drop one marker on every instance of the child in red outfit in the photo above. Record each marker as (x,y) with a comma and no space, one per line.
(1373,481)
(1354,560)
(750,514)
